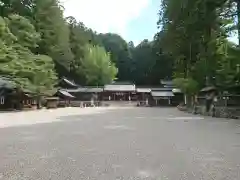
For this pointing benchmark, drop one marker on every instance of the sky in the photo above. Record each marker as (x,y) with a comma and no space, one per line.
(134,20)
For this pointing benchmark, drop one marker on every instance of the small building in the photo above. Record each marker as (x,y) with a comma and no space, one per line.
(52,102)
(6,94)
(119,91)
(15,98)
(161,97)
(143,95)
(65,98)
(29,99)
(86,93)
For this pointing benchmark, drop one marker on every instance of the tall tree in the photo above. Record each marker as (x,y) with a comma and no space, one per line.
(17,62)
(50,23)
(97,66)
(21,7)
(191,31)
(120,54)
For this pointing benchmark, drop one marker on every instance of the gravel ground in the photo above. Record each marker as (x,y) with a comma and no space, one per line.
(23,118)
(118,144)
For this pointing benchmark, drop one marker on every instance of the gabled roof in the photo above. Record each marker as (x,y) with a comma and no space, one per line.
(210,88)
(6,83)
(167,82)
(65,93)
(71,83)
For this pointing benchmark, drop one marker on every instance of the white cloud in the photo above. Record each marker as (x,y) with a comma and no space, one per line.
(105,15)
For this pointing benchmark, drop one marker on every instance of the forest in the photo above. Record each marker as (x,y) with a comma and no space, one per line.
(39,45)
(195,34)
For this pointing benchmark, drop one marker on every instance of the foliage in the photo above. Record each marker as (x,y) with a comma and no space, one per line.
(17,62)
(149,67)
(187,86)
(35,31)
(120,53)
(49,22)
(195,34)
(79,37)
(24,31)
(97,66)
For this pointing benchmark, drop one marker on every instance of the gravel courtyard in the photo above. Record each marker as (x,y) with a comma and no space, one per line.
(118,144)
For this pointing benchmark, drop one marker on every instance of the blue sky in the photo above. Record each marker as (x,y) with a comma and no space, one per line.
(134,20)
(145,26)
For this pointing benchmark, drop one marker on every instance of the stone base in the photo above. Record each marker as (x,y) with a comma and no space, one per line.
(221,112)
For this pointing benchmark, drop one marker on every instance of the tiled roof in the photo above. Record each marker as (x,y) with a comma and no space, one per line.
(85,89)
(69,82)
(162,94)
(176,90)
(65,93)
(122,83)
(166,82)
(5,83)
(143,90)
(162,89)
(126,88)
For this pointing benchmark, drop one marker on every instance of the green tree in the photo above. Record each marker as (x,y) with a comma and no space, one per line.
(97,66)
(24,31)
(192,33)
(17,62)
(143,62)
(120,54)
(150,64)
(21,7)
(49,22)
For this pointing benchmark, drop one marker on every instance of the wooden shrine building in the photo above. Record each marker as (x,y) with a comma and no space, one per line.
(119,91)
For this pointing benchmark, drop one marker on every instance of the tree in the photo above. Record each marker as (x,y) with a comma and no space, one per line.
(18,63)
(49,22)
(143,62)
(21,7)
(150,64)
(120,54)
(192,33)
(97,66)
(24,31)
(187,86)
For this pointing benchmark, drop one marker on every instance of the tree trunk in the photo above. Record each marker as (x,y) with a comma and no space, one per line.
(39,102)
